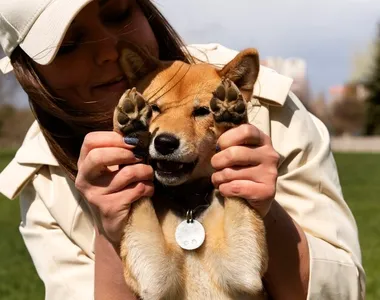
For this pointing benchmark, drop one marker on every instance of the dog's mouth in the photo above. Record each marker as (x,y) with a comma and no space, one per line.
(169,168)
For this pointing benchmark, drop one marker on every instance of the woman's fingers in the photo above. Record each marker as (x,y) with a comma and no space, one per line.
(114,208)
(235,156)
(257,174)
(246,166)
(112,204)
(129,175)
(101,139)
(258,195)
(245,134)
(244,156)
(98,161)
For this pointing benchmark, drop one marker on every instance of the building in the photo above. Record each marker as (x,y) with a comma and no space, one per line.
(295,68)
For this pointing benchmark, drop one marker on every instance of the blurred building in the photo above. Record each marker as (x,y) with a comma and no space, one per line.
(295,68)
(347,109)
(356,89)
(335,93)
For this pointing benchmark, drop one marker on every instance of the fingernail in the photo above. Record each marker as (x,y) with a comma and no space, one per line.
(131,140)
(217,148)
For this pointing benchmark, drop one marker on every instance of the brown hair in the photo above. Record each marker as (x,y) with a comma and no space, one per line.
(65,128)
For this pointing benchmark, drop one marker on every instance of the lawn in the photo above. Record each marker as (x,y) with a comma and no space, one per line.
(360,178)
(18,278)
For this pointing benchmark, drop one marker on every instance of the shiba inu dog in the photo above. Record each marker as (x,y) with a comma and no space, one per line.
(188,241)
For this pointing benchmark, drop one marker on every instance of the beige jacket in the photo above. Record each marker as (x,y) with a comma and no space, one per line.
(58,228)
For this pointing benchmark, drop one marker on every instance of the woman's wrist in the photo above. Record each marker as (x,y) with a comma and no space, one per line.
(102,236)
(109,277)
(287,276)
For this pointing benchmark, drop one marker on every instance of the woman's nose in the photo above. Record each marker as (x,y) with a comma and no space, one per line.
(106,47)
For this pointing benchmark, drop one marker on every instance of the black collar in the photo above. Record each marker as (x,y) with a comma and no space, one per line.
(194,196)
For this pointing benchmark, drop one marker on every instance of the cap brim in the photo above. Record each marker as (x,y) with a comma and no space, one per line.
(45,36)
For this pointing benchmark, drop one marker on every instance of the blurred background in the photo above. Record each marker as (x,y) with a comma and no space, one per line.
(331,48)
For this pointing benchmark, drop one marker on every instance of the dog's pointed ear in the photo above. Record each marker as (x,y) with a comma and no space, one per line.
(243,70)
(136,62)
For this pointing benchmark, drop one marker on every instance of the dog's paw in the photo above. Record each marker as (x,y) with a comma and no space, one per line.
(228,105)
(132,113)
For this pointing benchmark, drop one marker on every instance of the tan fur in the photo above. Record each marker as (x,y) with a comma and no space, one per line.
(231,262)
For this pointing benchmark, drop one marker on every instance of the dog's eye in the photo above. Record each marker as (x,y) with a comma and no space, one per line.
(155,108)
(201,111)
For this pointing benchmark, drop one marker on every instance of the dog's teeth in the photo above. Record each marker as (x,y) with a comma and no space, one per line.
(177,167)
(169,166)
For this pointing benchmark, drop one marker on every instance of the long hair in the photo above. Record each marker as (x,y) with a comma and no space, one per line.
(65,128)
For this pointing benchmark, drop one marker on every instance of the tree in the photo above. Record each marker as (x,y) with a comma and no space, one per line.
(372,125)
(348,113)
(318,108)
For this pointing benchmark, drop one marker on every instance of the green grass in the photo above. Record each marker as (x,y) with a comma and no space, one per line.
(360,179)
(18,278)
(359,174)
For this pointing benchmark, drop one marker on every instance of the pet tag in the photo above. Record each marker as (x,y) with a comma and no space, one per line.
(190,233)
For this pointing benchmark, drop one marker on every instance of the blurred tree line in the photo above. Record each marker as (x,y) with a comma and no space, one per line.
(14,119)
(372,124)
(14,123)
(357,110)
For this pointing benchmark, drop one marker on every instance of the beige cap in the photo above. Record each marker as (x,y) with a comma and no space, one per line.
(37,26)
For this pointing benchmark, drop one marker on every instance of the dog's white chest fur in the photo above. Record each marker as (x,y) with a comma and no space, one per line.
(229,265)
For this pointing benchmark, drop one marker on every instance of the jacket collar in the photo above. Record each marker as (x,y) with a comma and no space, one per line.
(35,149)
(271,88)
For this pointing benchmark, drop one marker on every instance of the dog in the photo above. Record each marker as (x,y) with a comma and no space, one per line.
(188,241)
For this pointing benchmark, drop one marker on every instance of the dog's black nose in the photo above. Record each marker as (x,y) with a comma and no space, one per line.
(166,143)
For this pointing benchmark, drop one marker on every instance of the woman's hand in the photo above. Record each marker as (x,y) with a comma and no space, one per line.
(106,186)
(246,166)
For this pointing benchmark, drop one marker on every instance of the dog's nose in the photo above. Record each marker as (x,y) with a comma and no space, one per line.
(166,143)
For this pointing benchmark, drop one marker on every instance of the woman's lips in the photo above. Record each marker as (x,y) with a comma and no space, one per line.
(119,84)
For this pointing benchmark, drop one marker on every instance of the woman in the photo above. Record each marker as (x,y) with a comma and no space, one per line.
(64,54)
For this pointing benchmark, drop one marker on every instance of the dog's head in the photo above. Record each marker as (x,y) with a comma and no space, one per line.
(183,140)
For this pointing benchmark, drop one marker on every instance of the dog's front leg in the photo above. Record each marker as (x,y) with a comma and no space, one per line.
(151,268)
(238,252)
(235,252)
(147,259)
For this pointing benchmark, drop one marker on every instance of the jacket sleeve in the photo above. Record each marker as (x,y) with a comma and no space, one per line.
(309,189)
(66,270)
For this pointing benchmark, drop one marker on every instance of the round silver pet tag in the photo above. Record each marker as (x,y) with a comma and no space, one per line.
(190,235)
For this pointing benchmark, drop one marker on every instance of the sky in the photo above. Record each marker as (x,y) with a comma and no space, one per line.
(326,33)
